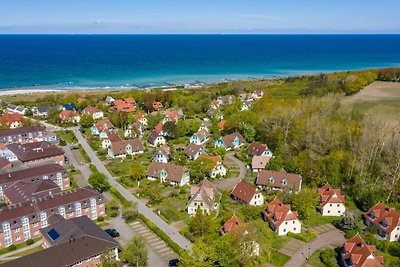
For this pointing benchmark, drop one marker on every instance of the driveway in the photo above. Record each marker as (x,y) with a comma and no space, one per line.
(333,237)
(83,168)
(228,184)
(142,208)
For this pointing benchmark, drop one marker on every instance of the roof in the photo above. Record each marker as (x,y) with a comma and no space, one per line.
(22,191)
(233,225)
(228,139)
(256,149)
(33,151)
(216,159)
(174,172)
(173,116)
(125,105)
(119,147)
(90,110)
(65,254)
(157,105)
(277,212)
(202,135)
(67,114)
(43,109)
(357,251)
(164,150)
(277,179)
(21,131)
(159,127)
(139,116)
(101,125)
(192,149)
(221,124)
(13,175)
(244,191)
(259,162)
(153,136)
(382,213)
(330,195)
(70,106)
(9,118)
(4,163)
(204,192)
(73,228)
(114,137)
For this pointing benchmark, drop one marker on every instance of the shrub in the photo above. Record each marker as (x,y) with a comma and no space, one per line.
(118,196)
(62,142)
(113,213)
(29,242)
(305,237)
(12,247)
(129,215)
(327,257)
(100,219)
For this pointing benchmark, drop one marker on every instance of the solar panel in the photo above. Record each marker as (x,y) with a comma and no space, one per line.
(53,234)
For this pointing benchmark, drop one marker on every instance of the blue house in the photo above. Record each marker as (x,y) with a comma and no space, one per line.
(70,106)
(230,141)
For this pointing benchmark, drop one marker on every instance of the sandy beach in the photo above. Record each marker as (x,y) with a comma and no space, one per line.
(28,91)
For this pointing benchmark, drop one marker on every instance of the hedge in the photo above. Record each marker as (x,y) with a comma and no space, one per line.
(161,234)
(305,237)
(118,196)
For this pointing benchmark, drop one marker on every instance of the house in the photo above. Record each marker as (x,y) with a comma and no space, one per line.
(70,106)
(332,201)
(281,218)
(121,148)
(225,99)
(142,119)
(109,100)
(221,125)
(41,111)
(134,129)
(258,149)
(12,120)
(219,169)
(172,116)
(231,141)
(233,225)
(257,94)
(386,220)
(247,193)
(94,112)
(102,129)
(73,242)
(246,97)
(193,151)
(159,128)
(202,197)
(22,222)
(175,174)
(106,143)
(215,104)
(157,105)
(246,105)
(124,105)
(200,137)
(162,155)
(258,163)
(16,109)
(5,164)
(8,155)
(279,180)
(28,191)
(39,152)
(215,113)
(52,172)
(71,116)
(26,135)
(355,252)
(155,139)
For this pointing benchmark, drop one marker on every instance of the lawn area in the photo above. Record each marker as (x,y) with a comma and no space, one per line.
(317,219)
(84,155)
(17,246)
(390,260)
(279,259)
(67,135)
(314,259)
(29,251)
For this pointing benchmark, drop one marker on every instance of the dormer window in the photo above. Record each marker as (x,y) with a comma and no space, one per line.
(384,223)
(284,181)
(271,180)
(372,215)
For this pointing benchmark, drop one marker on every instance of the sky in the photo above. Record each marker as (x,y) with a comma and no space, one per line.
(199,16)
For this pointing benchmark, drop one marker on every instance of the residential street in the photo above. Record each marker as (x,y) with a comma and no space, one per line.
(142,208)
(228,184)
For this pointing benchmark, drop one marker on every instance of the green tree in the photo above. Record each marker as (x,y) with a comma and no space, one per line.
(108,259)
(170,129)
(305,202)
(86,121)
(136,252)
(200,168)
(99,182)
(201,255)
(193,126)
(153,120)
(200,223)
(137,171)
(349,220)
(28,112)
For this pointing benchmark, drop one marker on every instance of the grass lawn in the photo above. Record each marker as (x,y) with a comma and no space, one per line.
(314,259)
(390,260)
(84,155)
(67,135)
(18,246)
(279,259)
(317,219)
(29,251)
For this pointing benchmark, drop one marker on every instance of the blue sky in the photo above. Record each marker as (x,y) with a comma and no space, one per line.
(200,16)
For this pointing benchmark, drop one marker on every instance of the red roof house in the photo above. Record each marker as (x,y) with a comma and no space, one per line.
(12,120)
(247,193)
(332,201)
(386,219)
(281,218)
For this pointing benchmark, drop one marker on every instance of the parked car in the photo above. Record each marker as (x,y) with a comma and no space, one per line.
(173,263)
(112,232)
(74,147)
(82,130)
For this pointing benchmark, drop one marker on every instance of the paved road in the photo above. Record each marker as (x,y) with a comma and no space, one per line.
(333,237)
(142,208)
(85,170)
(228,184)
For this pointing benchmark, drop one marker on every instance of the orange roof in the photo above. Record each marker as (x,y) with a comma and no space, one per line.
(157,105)
(232,225)
(67,114)
(381,213)
(100,125)
(126,105)
(277,212)
(221,124)
(359,253)
(216,159)
(159,127)
(244,191)
(9,118)
(330,195)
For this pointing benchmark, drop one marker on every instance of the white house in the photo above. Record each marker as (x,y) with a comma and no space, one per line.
(202,197)
(193,151)
(122,148)
(258,149)
(279,180)
(386,220)
(142,119)
(156,139)
(106,143)
(281,218)
(162,155)
(94,112)
(219,169)
(231,141)
(246,193)
(200,137)
(175,174)
(332,201)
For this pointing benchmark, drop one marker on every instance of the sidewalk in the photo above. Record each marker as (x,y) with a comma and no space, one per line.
(11,253)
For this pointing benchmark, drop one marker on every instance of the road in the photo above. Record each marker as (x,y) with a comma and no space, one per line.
(142,208)
(333,237)
(228,184)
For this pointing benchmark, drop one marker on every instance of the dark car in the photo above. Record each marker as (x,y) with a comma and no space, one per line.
(74,147)
(112,232)
(82,130)
(173,263)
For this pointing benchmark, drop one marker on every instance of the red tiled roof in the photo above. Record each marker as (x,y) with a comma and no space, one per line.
(233,225)
(126,105)
(383,213)
(4,163)
(221,124)
(277,212)
(204,192)
(216,159)
(157,105)
(100,125)
(330,195)
(68,114)
(244,191)
(21,192)
(357,251)
(90,110)
(256,149)
(174,172)
(159,127)
(14,175)
(9,118)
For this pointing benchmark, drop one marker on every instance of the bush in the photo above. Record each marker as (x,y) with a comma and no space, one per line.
(62,142)
(113,213)
(129,215)
(29,242)
(12,247)
(100,219)
(118,196)
(327,257)
(305,237)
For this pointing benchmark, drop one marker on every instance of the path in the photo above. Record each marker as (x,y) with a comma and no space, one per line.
(332,237)
(9,255)
(228,184)
(142,208)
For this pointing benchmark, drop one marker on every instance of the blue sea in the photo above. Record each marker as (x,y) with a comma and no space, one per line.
(118,61)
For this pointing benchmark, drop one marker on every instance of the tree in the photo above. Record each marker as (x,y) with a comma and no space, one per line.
(136,252)
(28,112)
(108,259)
(99,182)
(152,120)
(349,220)
(193,126)
(201,255)
(200,224)
(137,171)
(86,121)
(170,129)
(200,168)
(305,202)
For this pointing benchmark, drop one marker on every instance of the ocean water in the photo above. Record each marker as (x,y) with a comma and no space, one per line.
(104,61)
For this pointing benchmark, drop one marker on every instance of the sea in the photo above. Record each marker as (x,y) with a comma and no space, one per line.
(140,61)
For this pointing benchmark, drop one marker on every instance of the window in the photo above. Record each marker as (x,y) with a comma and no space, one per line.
(294,222)
(338,205)
(17,238)
(330,205)
(61,211)
(286,222)
(93,208)
(43,219)
(35,224)
(294,229)
(329,211)
(7,234)
(17,230)
(284,230)
(25,228)
(78,209)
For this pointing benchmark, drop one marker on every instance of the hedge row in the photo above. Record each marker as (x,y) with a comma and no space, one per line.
(161,234)
(306,237)
(118,196)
